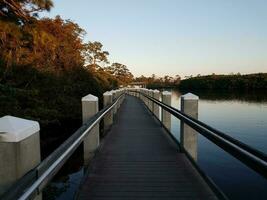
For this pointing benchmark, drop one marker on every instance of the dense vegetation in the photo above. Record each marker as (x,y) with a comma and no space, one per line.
(154,82)
(226,82)
(45,69)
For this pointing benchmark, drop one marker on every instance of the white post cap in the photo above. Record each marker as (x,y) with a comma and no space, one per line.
(166,93)
(108,93)
(156,91)
(190,96)
(14,129)
(90,97)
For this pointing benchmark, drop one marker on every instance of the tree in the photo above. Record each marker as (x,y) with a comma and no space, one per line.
(121,72)
(21,11)
(167,79)
(16,18)
(57,44)
(46,44)
(177,80)
(94,54)
(153,76)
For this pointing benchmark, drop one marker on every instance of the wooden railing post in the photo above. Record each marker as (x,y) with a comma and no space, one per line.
(166,116)
(108,119)
(189,105)
(19,149)
(91,142)
(156,94)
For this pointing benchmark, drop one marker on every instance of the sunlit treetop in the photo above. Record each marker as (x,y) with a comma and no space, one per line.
(94,54)
(21,11)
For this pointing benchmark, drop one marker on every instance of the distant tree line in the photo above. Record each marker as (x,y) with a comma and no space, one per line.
(45,68)
(254,96)
(226,82)
(154,82)
(208,82)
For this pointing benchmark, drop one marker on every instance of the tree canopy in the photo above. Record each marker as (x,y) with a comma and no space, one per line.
(21,11)
(121,72)
(94,54)
(46,44)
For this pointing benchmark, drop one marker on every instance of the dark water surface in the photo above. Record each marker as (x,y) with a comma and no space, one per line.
(241,115)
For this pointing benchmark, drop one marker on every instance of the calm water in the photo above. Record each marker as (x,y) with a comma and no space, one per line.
(241,115)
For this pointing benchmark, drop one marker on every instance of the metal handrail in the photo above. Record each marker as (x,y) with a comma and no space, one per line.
(38,178)
(251,157)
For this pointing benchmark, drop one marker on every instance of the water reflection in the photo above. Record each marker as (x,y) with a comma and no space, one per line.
(66,183)
(257,96)
(243,116)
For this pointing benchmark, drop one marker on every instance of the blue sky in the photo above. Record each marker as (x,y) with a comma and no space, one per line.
(169,37)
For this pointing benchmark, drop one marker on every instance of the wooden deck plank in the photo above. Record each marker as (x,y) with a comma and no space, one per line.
(137,161)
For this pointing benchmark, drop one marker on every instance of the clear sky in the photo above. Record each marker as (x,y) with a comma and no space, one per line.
(169,37)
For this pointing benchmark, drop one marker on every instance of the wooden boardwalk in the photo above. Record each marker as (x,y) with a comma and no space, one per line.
(137,160)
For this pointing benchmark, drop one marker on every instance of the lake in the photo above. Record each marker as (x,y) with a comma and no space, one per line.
(242,115)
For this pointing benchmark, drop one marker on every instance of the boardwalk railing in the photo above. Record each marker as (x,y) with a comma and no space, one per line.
(32,183)
(251,157)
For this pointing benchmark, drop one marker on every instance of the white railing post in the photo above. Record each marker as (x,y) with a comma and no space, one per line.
(108,119)
(143,98)
(146,99)
(156,94)
(19,149)
(121,99)
(142,92)
(118,94)
(114,96)
(91,142)
(189,105)
(150,93)
(123,96)
(166,116)
(138,92)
